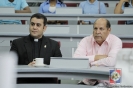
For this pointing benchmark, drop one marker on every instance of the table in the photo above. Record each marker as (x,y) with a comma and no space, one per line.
(51,86)
(101,73)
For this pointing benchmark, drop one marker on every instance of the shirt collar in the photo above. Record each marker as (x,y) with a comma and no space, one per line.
(57,2)
(107,40)
(92,3)
(14,2)
(32,39)
(93,40)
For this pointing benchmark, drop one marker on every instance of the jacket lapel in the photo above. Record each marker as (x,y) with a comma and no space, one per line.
(43,47)
(28,45)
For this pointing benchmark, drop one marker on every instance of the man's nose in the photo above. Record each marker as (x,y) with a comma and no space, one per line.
(97,31)
(34,26)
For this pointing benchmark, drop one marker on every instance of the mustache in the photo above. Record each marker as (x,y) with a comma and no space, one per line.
(97,35)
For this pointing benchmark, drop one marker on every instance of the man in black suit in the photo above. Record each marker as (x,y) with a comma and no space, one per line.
(25,47)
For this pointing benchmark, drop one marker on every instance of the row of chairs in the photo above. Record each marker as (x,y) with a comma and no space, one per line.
(66,22)
(67,4)
(77,4)
(127,45)
(106,4)
(124,45)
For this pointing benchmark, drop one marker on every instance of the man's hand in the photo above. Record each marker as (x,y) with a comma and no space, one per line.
(98,57)
(25,10)
(31,63)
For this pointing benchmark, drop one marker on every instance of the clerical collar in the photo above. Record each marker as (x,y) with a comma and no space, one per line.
(32,39)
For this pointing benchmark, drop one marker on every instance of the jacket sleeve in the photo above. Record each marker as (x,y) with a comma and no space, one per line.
(13,47)
(57,52)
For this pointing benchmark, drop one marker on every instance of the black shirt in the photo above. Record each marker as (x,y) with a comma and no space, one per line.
(33,47)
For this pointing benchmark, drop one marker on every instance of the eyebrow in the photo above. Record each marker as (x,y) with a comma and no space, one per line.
(35,23)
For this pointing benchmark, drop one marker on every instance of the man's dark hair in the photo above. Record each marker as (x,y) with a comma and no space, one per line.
(39,16)
(126,4)
(108,25)
(58,0)
(61,1)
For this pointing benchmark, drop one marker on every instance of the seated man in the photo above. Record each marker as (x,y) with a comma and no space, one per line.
(25,47)
(20,6)
(100,48)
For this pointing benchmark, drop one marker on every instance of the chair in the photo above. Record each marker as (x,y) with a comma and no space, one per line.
(106,4)
(11,42)
(121,22)
(23,21)
(64,22)
(72,4)
(59,43)
(127,45)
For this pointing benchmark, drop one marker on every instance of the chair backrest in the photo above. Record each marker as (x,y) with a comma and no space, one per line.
(121,22)
(110,10)
(23,21)
(106,4)
(69,10)
(72,4)
(7,10)
(128,10)
(34,9)
(59,43)
(127,45)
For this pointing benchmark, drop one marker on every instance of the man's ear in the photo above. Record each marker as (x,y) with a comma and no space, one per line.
(109,29)
(44,28)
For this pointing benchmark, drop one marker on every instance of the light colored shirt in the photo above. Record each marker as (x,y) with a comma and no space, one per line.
(88,48)
(93,8)
(44,7)
(130,6)
(17,4)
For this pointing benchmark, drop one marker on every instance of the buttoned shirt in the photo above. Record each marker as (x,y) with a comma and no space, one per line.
(93,8)
(88,48)
(17,4)
(44,7)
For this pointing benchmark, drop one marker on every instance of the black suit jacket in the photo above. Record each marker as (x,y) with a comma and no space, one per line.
(23,48)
